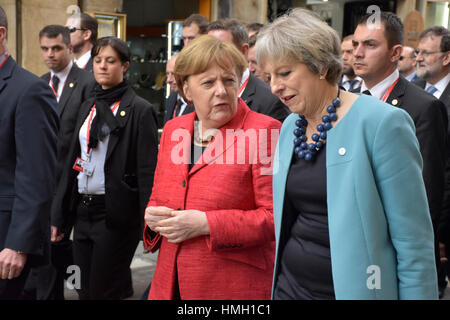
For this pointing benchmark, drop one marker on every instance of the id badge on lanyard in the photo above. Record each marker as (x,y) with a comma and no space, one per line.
(86,166)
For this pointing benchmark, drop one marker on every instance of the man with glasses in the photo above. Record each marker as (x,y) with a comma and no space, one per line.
(83,35)
(407,64)
(433,59)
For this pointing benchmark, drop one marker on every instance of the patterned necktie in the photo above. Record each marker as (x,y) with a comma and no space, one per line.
(431,89)
(55,84)
(352,84)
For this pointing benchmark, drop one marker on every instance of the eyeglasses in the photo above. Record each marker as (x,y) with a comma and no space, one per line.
(73,29)
(425,53)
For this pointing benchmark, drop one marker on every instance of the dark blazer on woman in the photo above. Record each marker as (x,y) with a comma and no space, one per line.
(129,165)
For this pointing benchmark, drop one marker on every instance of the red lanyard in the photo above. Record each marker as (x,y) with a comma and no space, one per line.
(388,92)
(243,86)
(4,60)
(53,89)
(91,115)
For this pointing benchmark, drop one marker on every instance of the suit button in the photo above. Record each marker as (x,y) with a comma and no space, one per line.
(183,183)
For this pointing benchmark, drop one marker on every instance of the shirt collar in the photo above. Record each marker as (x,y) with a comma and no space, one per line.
(411,76)
(381,87)
(83,60)
(62,75)
(3,56)
(440,85)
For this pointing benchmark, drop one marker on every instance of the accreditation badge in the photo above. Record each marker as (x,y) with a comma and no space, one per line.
(83,166)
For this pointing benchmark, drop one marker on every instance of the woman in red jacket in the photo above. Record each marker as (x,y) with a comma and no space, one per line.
(210,212)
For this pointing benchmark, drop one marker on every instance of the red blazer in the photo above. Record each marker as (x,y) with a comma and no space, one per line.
(236,260)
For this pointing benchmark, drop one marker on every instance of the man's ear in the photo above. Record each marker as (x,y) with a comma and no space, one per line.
(244,50)
(3,34)
(396,52)
(446,59)
(87,35)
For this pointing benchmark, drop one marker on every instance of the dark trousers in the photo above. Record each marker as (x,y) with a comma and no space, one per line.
(104,255)
(12,289)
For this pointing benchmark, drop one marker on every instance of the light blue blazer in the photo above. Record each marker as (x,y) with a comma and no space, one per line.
(381,236)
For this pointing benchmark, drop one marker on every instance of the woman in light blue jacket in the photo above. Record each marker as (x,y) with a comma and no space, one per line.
(350,208)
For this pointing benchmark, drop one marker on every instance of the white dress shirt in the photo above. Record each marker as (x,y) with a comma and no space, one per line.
(245,76)
(62,79)
(380,89)
(182,107)
(83,60)
(345,83)
(94,184)
(440,86)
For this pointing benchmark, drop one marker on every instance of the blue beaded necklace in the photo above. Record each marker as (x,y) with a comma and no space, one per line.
(308,151)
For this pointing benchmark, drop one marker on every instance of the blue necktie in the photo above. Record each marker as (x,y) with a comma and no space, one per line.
(431,89)
(352,84)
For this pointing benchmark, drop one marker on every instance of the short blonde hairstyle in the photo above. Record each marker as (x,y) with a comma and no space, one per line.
(201,52)
(301,36)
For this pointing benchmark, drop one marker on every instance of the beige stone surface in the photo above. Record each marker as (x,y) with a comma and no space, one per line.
(248,11)
(35,16)
(10,8)
(404,7)
(102,5)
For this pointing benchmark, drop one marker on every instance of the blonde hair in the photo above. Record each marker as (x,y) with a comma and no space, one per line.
(301,36)
(201,52)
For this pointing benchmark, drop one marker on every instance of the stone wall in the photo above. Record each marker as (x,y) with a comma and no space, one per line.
(35,16)
(101,5)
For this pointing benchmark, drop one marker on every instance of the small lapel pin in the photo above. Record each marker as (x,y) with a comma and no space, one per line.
(342,151)
(394,102)
(71,85)
(123,113)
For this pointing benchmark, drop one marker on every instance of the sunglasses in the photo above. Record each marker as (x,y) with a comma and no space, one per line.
(73,29)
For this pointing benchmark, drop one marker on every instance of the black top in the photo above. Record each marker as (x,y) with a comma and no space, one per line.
(305,264)
(196,153)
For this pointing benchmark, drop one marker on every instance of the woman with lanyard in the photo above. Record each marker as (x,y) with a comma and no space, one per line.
(108,178)
(350,208)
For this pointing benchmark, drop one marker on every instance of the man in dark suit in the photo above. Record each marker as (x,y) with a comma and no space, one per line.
(83,35)
(28,131)
(255,93)
(376,50)
(433,59)
(175,104)
(71,86)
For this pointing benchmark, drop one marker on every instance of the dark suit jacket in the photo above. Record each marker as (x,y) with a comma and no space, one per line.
(89,66)
(129,165)
(444,224)
(259,98)
(170,107)
(28,133)
(78,87)
(430,119)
